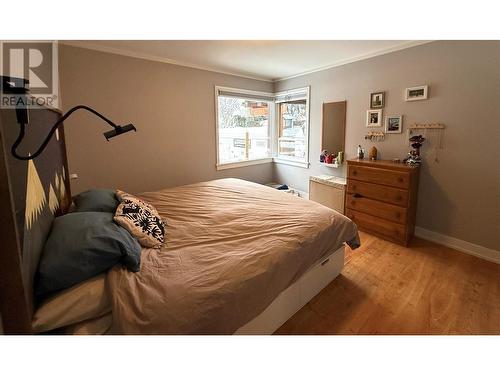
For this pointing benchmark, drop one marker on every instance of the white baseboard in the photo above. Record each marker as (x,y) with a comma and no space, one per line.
(460,245)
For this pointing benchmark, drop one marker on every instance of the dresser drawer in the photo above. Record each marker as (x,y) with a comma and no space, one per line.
(379,192)
(381,227)
(380,176)
(376,208)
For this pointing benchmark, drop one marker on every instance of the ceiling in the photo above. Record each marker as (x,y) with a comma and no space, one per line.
(269,60)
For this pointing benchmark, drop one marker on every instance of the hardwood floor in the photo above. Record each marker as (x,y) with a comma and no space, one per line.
(386,288)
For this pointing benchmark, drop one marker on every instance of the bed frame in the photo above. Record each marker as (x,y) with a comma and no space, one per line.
(23,240)
(296,296)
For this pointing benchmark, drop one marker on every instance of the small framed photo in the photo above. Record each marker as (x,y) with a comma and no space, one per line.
(394,124)
(416,93)
(377,100)
(373,118)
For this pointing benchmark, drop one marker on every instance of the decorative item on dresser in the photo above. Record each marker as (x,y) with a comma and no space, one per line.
(328,190)
(382,198)
(414,154)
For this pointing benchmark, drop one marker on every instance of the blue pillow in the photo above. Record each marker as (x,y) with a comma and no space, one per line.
(96,200)
(82,245)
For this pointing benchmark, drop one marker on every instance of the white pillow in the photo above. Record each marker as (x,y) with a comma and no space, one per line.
(86,300)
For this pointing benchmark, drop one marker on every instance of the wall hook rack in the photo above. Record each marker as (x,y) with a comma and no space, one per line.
(375,136)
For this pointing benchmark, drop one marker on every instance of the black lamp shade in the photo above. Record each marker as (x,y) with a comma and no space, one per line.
(119,130)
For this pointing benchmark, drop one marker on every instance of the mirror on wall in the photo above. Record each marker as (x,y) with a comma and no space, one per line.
(333,132)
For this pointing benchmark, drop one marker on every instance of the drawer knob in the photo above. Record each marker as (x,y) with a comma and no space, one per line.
(354,173)
(357,195)
(399,197)
(400,179)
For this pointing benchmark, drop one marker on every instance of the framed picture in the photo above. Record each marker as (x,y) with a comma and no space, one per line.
(416,93)
(377,100)
(373,118)
(394,124)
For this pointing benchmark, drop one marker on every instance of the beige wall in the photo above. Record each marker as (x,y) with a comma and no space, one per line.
(460,195)
(172,108)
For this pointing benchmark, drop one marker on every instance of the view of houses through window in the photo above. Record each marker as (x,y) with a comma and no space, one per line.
(251,126)
(292,141)
(243,129)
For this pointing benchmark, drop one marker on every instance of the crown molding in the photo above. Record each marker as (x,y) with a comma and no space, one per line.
(120,51)
(366,56)
(145,56)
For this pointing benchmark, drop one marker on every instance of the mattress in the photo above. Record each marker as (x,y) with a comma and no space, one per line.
(231,248)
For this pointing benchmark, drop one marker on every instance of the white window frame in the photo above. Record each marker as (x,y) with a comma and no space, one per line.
(260,94)
(274,99)
(285,96)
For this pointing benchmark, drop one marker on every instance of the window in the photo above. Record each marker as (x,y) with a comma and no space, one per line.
(292,143)
(249,132)
(292,140)
(243,126)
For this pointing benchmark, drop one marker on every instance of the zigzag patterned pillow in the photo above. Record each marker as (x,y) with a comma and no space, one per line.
(144,223)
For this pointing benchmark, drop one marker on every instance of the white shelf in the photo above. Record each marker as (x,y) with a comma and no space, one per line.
(330,165)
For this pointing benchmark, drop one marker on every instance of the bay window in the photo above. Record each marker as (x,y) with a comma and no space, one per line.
(243,127)
(293,126)
(256,127)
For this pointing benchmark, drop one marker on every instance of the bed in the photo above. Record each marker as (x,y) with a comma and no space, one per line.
(238,257)
(232,247)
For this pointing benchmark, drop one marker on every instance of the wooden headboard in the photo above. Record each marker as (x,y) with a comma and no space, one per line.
(32,193)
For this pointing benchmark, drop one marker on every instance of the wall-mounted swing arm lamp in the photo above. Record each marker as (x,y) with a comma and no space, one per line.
(22,118)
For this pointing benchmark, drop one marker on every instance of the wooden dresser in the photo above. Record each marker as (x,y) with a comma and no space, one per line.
(382,198)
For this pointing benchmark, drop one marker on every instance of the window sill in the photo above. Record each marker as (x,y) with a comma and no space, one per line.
(239,164)
(245,163)
(295,163)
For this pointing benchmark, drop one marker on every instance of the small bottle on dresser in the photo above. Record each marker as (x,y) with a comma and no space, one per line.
(361,153)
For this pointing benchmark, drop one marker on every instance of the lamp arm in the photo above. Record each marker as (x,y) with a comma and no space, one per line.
(44,144)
